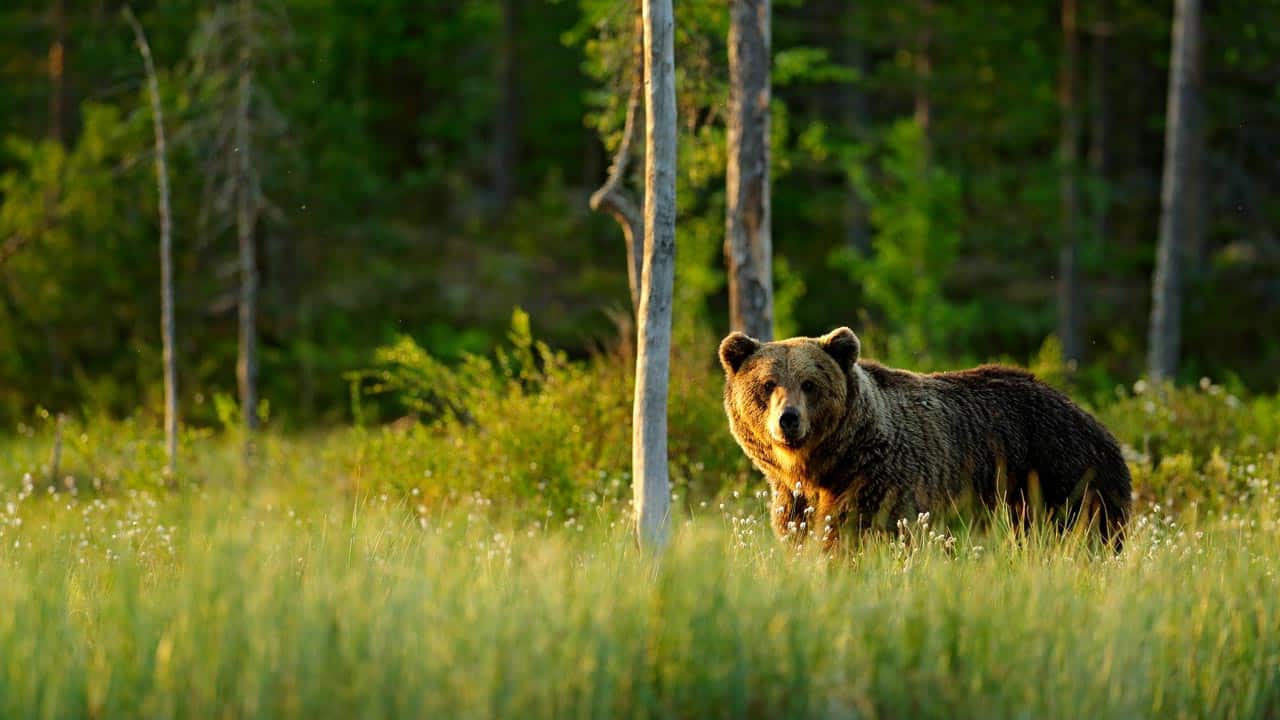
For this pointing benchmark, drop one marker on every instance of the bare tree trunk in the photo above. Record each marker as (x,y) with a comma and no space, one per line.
(1175,220)
(1069,159)
(246,212)
(613,196)
(503,158)
(166,250)
(1098,117)
(652,489)
(57,72)
(748,245)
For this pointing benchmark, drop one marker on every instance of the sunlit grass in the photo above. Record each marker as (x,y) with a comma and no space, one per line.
(223,603)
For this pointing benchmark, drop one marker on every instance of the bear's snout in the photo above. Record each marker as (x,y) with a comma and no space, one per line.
(789,426)
(789,421)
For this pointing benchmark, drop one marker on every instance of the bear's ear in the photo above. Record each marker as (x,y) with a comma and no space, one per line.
(842,345)
(735,349)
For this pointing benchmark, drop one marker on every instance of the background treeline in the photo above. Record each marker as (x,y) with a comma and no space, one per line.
(424,166)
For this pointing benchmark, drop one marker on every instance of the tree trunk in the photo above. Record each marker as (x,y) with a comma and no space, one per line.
(1175,218)
(57,71)
(1098,117)
(166,250)
(1068,160)
(246,212)
(652,490)
(748,246)
(505,144)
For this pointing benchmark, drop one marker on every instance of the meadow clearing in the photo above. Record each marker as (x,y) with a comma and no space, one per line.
(484,567)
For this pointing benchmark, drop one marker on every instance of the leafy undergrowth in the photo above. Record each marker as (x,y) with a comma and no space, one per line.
(534,435)
(224,603)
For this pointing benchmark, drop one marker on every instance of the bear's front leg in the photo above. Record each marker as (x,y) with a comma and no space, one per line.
(829,514)
(790,514)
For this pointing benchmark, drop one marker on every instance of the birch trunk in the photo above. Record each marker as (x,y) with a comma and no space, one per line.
(652,490)
(166,249)
(1176,223)
(748,245)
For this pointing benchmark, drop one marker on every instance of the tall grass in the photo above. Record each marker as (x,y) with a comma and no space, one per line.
(477,562)
(223,604)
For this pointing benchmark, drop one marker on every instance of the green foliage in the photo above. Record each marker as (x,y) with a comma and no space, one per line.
(383,218)
(1198,421)
(532,431)
(914,206)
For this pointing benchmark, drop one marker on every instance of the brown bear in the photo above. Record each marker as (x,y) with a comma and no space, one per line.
(845,441)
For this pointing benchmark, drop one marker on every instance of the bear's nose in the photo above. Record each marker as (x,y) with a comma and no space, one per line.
(789,421)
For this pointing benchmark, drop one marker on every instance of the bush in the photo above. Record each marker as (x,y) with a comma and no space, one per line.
(533,431)
(1199,421)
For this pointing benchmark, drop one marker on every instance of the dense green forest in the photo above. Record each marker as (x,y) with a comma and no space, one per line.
(421,168)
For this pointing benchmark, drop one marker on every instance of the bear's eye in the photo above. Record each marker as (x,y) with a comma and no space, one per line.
(769,387)
(808,386)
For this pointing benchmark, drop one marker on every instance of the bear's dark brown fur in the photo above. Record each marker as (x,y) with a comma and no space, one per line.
(849,441)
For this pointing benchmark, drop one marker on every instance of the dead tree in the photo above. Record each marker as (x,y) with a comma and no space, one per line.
(166,248)
(1176,222)
(652,489)
(748,245)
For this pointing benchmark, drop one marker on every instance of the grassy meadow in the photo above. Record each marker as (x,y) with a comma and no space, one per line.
(478,563)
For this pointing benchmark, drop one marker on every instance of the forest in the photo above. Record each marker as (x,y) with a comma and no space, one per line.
(365,359)
(421,169)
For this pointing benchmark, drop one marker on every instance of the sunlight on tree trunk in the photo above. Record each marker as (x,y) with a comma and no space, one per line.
(748,245)
(652,489)
(166,250)
(1176,222)
(1068,160)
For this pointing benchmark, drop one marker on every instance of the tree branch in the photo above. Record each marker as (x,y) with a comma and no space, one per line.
(613,197)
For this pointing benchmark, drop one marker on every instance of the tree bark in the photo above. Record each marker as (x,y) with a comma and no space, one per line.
(652,489)
(613,196)
(506,121)
(166,249)
(1175,218)
(246,212)
(748,245)
(1069,160)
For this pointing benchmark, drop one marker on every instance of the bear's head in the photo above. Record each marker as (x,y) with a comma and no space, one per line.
(790,394)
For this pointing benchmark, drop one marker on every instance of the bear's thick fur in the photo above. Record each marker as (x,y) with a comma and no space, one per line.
(849,441)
